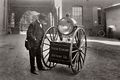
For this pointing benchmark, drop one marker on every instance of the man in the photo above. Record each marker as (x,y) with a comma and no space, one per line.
(35,34)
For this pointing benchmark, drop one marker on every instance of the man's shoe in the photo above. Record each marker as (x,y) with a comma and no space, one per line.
(42,69)
(34,72)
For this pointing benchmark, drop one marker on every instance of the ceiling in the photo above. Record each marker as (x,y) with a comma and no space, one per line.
(102,3)
(31,3)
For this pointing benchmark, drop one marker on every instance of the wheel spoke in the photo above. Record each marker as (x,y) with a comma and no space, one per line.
(83,53)
(76,61)
(82,58)
(46,61)
(49,32)
(46,49)
(51,36)
(82,44)
(56,36)
(76,38)
(74,51)
(48,39)
(83,39)
(75,45)
(75,65)
(74,57)
(46,55)
(80,63)
(46,44)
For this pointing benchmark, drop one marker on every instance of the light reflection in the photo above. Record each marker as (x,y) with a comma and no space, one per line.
(106,42)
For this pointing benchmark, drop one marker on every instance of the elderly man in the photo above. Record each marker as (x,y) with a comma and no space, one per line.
(35,34)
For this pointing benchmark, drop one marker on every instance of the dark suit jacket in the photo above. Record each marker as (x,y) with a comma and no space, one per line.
(35,34)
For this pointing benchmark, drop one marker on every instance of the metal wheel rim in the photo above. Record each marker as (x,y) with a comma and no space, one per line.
(45,52)
(78,60)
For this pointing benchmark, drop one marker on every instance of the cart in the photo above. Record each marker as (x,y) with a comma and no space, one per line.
(65,44)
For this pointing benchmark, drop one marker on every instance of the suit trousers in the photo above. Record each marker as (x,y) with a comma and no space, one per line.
(35,53)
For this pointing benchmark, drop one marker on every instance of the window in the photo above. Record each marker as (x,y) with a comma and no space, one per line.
(99,16)
(77,14)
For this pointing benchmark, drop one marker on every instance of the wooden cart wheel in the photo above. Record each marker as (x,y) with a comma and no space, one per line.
(50,35)
(78,50)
